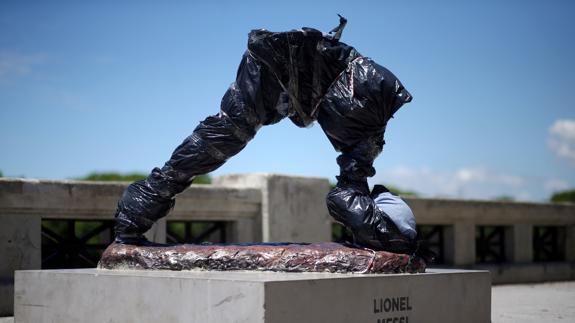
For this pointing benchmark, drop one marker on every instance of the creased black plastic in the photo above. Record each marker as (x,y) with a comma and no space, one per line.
(244,109)
(306,76)
(305,63)
(358,105)
(351,204)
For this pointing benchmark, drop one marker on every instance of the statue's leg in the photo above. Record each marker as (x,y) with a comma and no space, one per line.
(351,203)
(243,110)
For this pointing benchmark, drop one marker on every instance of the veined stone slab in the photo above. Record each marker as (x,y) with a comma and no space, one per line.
(97,295)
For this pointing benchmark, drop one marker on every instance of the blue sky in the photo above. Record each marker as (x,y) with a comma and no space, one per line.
(117,85)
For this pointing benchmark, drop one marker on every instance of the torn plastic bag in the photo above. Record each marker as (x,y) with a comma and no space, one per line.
(303,75)
(282,74)
(350,203)
(358,105)
(305,63)
(396,209)
(244,109)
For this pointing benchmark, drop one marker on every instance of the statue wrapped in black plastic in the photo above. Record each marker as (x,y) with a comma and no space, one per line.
(306,76)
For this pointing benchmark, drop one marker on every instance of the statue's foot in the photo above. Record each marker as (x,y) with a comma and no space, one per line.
(419,248)
(393,242)
(424,251)
(135,239)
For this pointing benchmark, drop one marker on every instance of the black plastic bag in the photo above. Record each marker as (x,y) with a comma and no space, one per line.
(306,76)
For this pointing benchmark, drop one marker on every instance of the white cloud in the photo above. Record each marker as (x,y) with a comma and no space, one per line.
(562,139)
(555,185)
(13,64)
(469,183)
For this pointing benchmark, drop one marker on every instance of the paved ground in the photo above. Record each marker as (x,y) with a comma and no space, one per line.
(541,303)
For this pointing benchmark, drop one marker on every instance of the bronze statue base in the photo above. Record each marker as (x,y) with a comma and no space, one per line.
(282,257)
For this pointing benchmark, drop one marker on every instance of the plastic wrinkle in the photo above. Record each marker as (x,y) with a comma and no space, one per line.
(351,204)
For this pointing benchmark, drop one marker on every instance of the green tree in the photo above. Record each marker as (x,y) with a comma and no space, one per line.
(564,196)
(203,179)
(395,190)
(113,177)
(131,177)
(504,198)
(401,192)
(1,175)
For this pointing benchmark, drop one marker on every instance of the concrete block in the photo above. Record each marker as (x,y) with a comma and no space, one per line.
(519,243)
(245,230)
(158,232)
(7,319)
(460,244)
(570,243)
(92,295)
(20,248)
(293,208)
(529,273)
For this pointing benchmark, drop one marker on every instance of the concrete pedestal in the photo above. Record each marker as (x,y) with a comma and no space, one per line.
(93,295)
(20,247)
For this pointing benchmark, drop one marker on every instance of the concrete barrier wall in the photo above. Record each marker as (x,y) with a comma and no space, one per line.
(25,203)
(271,207)
(461,217)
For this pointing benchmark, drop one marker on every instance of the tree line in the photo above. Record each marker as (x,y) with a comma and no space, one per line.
(557,197)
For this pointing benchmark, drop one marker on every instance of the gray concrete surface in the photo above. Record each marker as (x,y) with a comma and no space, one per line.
(531,303)
(95,296)
(25,202)
(293,207)
(275,208)
(20,248)
(7,319)
(509,273)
